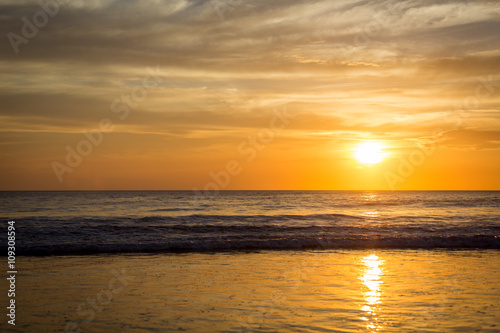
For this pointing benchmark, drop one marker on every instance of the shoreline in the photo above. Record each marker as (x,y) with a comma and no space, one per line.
(256,251)
(393,290)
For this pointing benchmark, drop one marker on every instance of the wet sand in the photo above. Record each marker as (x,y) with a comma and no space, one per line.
(276,291)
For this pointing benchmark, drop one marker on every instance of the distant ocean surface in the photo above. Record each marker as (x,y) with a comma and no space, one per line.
(87,222)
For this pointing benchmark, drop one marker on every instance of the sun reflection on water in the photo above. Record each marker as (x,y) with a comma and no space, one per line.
(370,214)
(370,198)
(371,279)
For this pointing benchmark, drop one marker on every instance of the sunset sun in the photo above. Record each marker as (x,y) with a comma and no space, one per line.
(370,153)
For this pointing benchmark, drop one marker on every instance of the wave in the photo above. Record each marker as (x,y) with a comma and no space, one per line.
(212,233)
(50,221)
(193,209)
(452,242)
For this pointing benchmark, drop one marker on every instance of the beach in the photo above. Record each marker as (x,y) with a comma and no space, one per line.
(268,291)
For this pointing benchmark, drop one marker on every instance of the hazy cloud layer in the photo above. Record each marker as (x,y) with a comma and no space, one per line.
(391,70)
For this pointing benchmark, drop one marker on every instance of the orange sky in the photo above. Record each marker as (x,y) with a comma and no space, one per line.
(249,95)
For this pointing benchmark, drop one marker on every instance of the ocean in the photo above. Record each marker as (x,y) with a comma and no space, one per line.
(253,261)
(60,223)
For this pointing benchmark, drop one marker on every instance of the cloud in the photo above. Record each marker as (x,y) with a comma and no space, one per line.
(472,140)
(349,70)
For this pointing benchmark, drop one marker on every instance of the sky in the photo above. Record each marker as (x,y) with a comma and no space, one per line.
(240,94)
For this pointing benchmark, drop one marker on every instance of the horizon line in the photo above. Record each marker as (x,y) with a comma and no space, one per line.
(253,190)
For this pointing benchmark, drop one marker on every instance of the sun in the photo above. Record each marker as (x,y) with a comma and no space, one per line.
(370,153)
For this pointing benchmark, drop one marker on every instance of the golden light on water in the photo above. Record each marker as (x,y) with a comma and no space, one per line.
(370,197)
(372,280)
(371,214)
